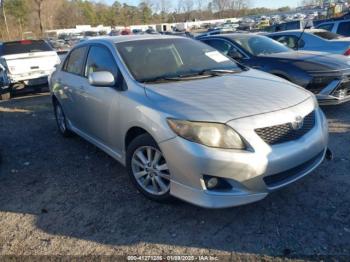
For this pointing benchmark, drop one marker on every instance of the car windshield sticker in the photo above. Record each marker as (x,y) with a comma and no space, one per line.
(217,57)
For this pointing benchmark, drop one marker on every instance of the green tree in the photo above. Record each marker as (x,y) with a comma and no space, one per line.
(146,12)
(19,10)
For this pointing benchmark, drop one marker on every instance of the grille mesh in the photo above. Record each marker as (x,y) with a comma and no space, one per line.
(285,133)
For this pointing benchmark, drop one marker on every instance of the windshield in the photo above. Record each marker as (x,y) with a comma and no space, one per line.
(327,35)
(155,58)
(25,46)
(260,45)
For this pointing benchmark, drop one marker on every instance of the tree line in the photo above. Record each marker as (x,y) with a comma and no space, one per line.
(18,17)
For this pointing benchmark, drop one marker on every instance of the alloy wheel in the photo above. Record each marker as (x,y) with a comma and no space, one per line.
(150,170)
(61,120)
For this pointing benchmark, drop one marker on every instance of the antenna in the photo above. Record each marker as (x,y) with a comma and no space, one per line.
(302,33)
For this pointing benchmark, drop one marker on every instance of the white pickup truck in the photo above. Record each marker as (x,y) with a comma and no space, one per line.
(27,63)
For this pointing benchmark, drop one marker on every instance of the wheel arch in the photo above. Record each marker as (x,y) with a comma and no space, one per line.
(132,133)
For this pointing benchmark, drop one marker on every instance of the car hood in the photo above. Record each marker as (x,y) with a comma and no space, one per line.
(312,61)
(224,98)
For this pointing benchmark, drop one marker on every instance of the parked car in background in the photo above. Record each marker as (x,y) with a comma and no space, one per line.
(188,121)
(314,40)
(217,31)
(28,62)
(327,76)
(341,27)
(291,25)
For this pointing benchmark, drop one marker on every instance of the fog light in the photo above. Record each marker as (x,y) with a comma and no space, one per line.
(216,183)
(212,183)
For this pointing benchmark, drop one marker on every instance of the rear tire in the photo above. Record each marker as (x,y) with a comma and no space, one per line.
(148,169)
(61,120)
(5,96)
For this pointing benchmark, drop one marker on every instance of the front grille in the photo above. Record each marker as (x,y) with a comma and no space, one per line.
(285,133)
(279,179)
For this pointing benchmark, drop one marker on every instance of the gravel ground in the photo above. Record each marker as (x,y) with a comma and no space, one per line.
(65,197)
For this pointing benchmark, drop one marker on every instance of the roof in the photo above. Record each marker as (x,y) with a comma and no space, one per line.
(127,38)
(299,31)
(232,35)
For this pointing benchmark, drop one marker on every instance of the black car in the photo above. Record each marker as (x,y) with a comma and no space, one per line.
(327,76)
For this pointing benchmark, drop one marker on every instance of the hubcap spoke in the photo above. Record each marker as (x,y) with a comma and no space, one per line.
(161,184)
(156,158)
(146,181)
(165,176)
(138,163)
(149,155)
(154,184)
(163,167)
(141,174)
(141,156)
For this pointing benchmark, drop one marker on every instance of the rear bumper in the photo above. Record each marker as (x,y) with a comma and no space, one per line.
(28,76)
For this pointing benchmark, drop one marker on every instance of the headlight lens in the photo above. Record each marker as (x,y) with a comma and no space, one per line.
(208,134)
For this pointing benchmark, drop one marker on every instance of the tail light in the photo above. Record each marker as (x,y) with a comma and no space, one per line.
(347,52)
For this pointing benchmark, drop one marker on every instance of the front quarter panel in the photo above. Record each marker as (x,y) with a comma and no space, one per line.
(137,110)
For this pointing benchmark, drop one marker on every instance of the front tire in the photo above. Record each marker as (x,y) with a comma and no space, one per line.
(148,169)
(61,120)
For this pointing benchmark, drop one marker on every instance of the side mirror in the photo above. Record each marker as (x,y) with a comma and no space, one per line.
(233,53)
(103,78)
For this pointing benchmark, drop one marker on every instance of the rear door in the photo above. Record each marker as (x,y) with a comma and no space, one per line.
(101,106)
(72,81)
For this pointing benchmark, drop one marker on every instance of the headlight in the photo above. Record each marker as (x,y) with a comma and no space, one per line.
(208,134)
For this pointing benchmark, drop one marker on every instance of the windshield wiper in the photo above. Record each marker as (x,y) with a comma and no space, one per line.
(161,79)
(218,72)
(193,75)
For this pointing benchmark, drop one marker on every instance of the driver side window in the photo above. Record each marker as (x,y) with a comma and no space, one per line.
(100,59)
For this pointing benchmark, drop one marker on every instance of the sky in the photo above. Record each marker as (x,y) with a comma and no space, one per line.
(255,3)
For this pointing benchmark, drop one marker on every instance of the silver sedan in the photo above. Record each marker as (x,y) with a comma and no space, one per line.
(314,40)
(187,121)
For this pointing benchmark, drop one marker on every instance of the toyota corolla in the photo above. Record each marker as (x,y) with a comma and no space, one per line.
(187,121)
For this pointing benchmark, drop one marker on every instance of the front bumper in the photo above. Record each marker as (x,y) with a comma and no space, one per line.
(246,171)
(335,93)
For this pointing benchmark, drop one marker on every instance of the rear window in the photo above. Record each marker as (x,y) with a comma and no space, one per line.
(327,35)
(25,46)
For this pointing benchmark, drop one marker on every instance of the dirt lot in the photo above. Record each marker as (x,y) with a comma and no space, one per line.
(65,197)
